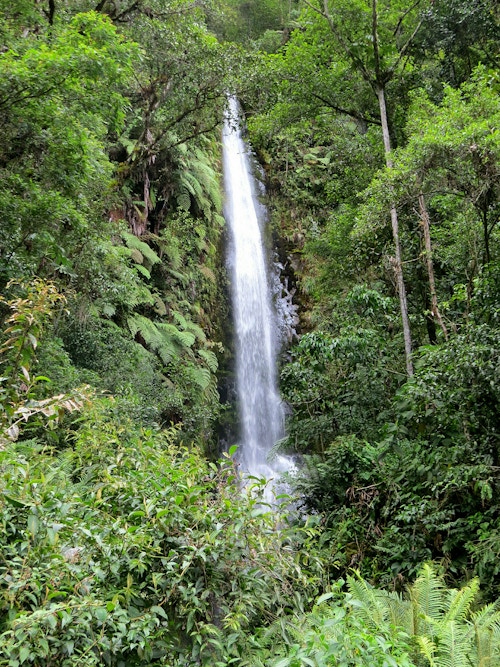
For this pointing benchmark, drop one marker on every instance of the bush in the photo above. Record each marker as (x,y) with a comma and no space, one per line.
(130,550)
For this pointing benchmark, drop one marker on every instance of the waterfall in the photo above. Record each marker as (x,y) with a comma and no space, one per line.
(259,407)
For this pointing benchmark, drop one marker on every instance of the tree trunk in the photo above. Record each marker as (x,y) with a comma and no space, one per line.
(425,222)
(397,263)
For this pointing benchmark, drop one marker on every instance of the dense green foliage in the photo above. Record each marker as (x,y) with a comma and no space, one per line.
(101,194)
(129,548)
(401,470)
(124,538)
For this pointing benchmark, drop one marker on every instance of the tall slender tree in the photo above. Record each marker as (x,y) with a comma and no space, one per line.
(375,37)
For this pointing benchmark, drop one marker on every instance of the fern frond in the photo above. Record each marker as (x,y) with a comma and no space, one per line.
(181,277)
(399,612)
(210,358)
(185,338)
(143,248)
(428,649)
(211,184)
(207,272)
(179,318)
(160,307)
(199,181)
(192,185)
(454,647)
(183,199)
(200,376)
(459,601)
(174,255)
(143,271)
(108,309)
(197,331)
(427,595)
(485,627)
(156,336)
(136,255)
(367,601)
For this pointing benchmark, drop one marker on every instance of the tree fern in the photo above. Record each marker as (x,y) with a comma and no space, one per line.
(186,339)
(136,255)
(208,177)
(428,649)
(107,309)
(198,182)
(399,611)
(169,245)
(181,277)
(159,305)
(143,271)
(189,325)
(155,336)
(207,272)
(200,376)
(140,249)
(210,358)
(183,199)
(447,634)
(197,331)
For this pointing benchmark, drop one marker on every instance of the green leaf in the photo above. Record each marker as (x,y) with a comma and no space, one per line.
(159,611)
(324,598)
(15,501)
(101,614)
(33,524)
(24,654)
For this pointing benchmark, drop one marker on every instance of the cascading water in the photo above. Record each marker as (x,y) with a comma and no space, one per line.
(259,405)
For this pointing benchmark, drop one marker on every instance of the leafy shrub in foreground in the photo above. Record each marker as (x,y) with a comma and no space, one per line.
(431,625)
(128,550)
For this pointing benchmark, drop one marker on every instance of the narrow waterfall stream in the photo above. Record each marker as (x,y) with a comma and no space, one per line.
(259,407)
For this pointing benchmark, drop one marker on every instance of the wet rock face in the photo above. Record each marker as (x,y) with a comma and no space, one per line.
(287,311)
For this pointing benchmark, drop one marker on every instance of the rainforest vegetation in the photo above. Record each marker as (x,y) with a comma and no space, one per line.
(126,538)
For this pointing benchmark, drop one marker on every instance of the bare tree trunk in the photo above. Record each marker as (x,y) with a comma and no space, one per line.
(52,11)
(425,222)
(397,263)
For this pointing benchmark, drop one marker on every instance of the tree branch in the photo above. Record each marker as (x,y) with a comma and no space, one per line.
(406,46)
(52,11)
(345,45)
(376,52)
(347,112)
(404,15)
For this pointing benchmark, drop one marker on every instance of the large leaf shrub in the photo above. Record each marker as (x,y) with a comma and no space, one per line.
(127,549)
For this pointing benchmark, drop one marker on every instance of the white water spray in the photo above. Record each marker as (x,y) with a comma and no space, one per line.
(259,405)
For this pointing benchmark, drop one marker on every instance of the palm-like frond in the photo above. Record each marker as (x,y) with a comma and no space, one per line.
(200,376)
(189,325)
(428,649)
(369,602)
(160,339)
(198,182)
(399,612)
(141,251)
(185,338)
(458,602)
(210,358)
(427,599)
(484,625)
(454,646)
